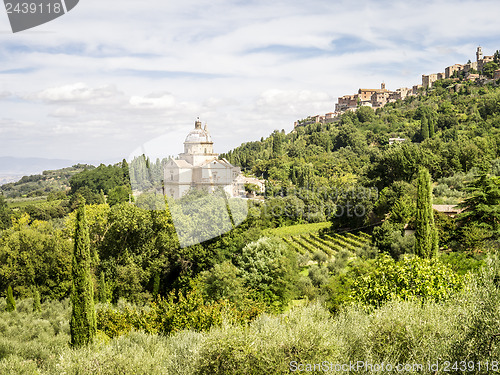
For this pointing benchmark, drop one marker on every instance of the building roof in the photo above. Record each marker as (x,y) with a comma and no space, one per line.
(198,135)
(181,163)
(373,90)
(214,160)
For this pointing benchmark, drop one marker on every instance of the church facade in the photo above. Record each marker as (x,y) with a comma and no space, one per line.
(199,167)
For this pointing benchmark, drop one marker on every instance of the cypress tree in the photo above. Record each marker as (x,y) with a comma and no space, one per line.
(102,197)
(431,125)
(426,238)
(103,289)
(156,285)
(36,301)
(11,303)
(424,128)
(83,320)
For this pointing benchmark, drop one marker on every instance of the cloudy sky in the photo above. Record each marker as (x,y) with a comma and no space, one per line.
(110,76)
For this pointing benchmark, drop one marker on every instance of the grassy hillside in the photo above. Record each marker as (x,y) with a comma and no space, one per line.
(42,184)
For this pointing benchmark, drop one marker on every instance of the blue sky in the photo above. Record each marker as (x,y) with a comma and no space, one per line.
(109,77)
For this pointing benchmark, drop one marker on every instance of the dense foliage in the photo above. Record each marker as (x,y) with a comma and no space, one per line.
(335,227)
(405,332)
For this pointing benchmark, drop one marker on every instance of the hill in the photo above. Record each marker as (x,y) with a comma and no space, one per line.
(38,185)
(451,127)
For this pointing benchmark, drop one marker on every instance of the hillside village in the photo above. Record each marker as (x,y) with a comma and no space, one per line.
(377,98)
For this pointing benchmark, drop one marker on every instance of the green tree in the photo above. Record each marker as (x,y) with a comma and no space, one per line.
(489,69)
(482,207)
(33,252)
(269,269)
(426,279)
(365,114)
(11,303)
(4,213)
(103,288)
(222,282)
(102,197)
(424,128)
(496,57)
(426,238)
(36,300)
(156,284)
(126,173)
(277,144)
(119,194)
(83,319)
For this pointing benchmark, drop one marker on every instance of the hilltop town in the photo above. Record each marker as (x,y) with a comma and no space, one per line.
(484,69)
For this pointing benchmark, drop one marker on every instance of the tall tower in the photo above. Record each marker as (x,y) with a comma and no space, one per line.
(382,85)
(479,53)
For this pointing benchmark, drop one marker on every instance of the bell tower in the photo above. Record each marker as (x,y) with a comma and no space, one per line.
(479,53)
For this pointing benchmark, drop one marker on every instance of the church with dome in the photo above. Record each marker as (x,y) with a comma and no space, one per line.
(199,167)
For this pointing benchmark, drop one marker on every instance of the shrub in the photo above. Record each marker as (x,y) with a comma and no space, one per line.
(11,303)
(409,278)
(269,344)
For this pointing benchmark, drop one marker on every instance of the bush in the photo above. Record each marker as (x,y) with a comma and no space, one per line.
(176,312)
(410,278)
(11,303)
(269,269)
(269,344)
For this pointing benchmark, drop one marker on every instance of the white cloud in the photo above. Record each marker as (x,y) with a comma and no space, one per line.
(293,102)
(66,111)
(165,101)
(78,92)
(113,77)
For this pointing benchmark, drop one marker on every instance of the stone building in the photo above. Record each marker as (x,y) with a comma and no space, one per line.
(429,79)
(366,94)
(199,167)
(379,99)
(345,102)
(472,76)
(470,66)
(400,93)
(449,71)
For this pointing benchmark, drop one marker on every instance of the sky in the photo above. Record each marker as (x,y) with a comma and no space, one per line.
(110,78)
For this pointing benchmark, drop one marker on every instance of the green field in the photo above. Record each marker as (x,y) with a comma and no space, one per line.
(16,203)
(330,245)
(305,238)
(298,229)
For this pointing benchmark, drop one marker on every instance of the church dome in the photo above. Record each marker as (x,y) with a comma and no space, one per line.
(198,135)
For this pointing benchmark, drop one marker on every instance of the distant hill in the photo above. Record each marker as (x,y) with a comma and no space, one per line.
(43,183)
(7,178)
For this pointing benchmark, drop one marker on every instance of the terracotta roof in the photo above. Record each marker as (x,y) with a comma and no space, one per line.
(182,163)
